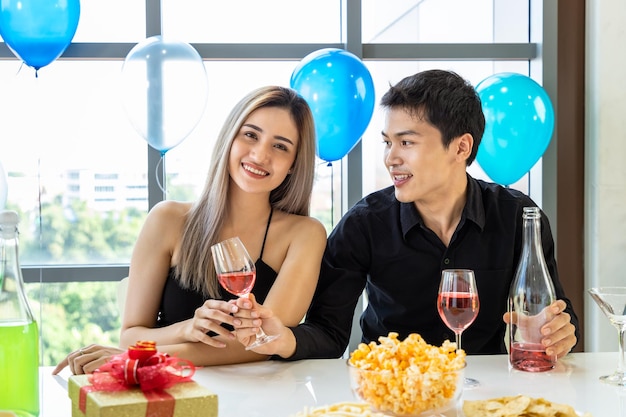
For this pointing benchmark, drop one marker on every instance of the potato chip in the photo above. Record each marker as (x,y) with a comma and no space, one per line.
(343,409)
(517,406)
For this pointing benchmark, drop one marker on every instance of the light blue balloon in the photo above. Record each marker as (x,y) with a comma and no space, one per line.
(38,31)
(164,90)
(519,124)
(340,91)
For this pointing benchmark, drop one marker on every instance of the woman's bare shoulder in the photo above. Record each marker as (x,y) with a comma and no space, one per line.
(168,215)
(306,226)
(163,228)
(171,208)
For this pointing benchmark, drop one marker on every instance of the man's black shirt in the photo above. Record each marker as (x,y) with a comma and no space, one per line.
(382,245)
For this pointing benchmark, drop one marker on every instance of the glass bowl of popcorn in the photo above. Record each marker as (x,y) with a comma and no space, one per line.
(408,378)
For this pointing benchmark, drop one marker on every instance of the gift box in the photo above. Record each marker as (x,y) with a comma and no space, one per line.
(185,399)
(141,382)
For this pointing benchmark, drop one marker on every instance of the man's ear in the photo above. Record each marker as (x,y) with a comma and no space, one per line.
(465,143)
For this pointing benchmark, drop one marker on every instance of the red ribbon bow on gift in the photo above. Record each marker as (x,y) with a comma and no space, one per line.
(144,366)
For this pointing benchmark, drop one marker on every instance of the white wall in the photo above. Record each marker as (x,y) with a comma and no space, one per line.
(605,141)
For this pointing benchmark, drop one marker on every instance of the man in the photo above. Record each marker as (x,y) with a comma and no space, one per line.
(395,242)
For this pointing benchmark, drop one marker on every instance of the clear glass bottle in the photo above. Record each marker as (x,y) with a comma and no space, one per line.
(19,336)
(530,295)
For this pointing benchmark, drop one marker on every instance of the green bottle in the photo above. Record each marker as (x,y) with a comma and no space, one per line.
(19,337)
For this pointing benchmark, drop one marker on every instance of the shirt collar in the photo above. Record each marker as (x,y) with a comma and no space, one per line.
(473,211)
(409,217)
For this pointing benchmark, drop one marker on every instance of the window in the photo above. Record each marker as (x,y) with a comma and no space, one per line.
(83,179)
(251,21)
(428,21)
(69,152)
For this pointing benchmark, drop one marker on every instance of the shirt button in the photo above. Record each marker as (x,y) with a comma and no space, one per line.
(446,261)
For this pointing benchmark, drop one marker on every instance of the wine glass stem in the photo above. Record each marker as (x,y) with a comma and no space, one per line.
(621,364)
(458,340)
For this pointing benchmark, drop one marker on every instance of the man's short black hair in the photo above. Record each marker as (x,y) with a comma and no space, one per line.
(443,99)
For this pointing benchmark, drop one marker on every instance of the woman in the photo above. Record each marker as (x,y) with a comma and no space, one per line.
(258,188)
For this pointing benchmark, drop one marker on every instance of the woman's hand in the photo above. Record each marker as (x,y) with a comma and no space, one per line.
(87,359)
(209,318)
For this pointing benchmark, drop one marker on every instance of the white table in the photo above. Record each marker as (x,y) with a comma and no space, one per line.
(279,389)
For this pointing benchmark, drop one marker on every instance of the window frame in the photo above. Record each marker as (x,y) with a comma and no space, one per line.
(352,163)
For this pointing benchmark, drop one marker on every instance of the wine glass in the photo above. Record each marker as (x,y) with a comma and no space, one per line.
(458,304)
(612,302)
(236,273)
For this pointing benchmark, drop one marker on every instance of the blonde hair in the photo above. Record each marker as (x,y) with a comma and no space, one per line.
(195,268)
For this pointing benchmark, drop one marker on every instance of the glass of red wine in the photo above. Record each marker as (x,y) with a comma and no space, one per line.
(458,304)
(236,273)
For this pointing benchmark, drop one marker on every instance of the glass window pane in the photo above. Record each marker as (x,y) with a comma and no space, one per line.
(252,21)
(74,314)
(111,21)
(76,169)
(385,73)
(430,21)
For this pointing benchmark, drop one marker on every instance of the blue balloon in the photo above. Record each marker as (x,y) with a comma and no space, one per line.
(340,91)
(38,31)
(519,124)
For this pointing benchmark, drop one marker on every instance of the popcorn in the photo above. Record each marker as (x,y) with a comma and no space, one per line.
(407,377)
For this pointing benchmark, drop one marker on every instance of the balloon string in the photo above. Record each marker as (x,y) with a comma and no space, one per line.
(40,211)
(156,174)
(332,196)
